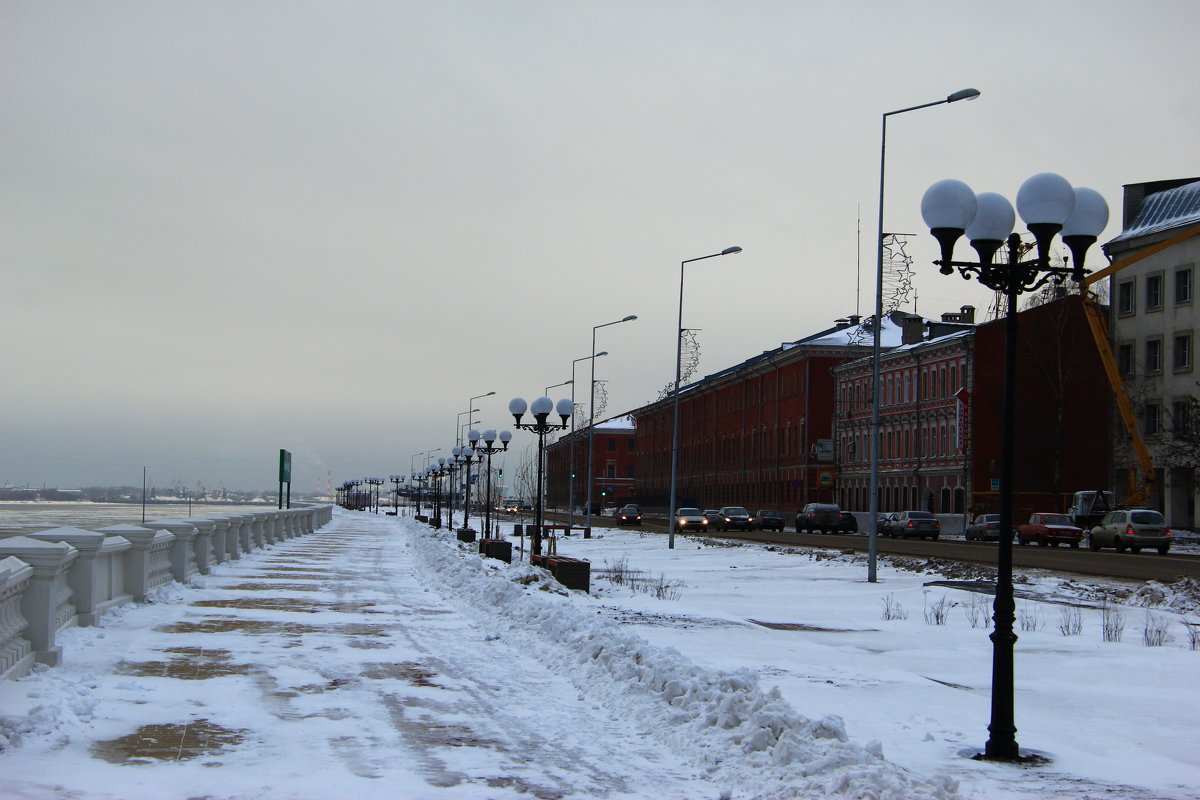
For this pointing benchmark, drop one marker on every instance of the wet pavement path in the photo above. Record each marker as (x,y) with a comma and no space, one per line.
(323,667)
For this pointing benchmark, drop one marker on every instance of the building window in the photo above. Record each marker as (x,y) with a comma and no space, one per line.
(610,469)
(631,445)
(1154,292)
(1153,360)
(1125,359)
(1125,299)
(1181,352)
(1152,419)
(612,443)
(1183,285)
(1181,418)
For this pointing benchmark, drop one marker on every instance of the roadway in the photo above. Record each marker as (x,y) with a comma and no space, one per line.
(1106,563)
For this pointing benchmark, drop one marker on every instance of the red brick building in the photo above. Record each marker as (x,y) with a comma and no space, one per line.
(941,417)
(614,455)
(922,419)
(757,434)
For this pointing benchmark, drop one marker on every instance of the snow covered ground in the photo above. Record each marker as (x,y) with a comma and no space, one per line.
(378,658)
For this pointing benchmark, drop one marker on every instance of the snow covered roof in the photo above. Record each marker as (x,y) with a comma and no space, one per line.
(1162,211)
(626,422)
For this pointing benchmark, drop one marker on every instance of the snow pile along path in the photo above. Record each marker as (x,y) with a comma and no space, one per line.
(724,723)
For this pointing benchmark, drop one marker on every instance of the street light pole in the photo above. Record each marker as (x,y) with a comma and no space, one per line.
(873,500)
(678,374)
(592,415)
(571,444)
(458,433)
(1049,205)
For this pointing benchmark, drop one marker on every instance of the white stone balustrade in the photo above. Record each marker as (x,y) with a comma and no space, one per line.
(53,579)
(46,601)
(220,547)
(183,554)
(148,562)
(97,576)
(202,546)
(16,653)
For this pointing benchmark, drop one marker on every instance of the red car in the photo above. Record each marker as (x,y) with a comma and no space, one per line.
(1049,529)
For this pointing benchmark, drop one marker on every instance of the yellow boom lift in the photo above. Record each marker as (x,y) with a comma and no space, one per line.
(1142,478)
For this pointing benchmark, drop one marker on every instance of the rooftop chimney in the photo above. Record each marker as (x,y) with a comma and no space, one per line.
(912,329)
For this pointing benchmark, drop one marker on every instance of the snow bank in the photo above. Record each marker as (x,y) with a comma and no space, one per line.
(723,722)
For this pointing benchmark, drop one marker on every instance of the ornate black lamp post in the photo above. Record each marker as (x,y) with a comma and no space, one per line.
(436,471)
(488,448)
(1048,205)
(374,496)
(469,457)
(540,408)
(396,481)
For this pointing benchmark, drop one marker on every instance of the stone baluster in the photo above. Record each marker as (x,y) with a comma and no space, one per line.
(148,560)
(183,557)
(202,545)
(220,547)
(46,601)
(16,653)
(97,576)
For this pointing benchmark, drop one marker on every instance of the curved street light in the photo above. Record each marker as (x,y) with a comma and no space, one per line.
(592,414)
(571,445)
(678,373)
(873,499)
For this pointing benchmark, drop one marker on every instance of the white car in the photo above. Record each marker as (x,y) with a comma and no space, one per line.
(690,519)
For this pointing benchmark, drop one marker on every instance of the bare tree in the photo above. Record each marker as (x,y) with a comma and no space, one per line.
(1180,445)
(525,474)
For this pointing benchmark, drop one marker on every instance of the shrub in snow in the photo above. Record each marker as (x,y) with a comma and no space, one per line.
(1112,622)
(1154,632)
(1070,621)
(892,609)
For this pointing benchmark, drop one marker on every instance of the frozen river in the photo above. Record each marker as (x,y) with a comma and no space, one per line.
(18,519)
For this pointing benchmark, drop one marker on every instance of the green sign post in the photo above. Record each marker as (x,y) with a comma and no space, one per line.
(285,477)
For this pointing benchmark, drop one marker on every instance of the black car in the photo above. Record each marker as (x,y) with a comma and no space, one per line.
(847,523)
(735,517)
(765,520)
(819,517)
(629,515)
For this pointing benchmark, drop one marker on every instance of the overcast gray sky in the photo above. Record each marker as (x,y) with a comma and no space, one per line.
(231,227)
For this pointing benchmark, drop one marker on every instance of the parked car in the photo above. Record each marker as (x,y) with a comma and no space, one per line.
(847,523)
(629,515)
(1049,529)
(712,516)
(766,520)
(735,517)
(819,517)
(886,522)
(984,527)
(916,523)
(1134,528)
(690,519)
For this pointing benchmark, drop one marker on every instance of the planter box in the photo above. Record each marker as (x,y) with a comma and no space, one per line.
(496,548)
(465,535)
(573,573)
